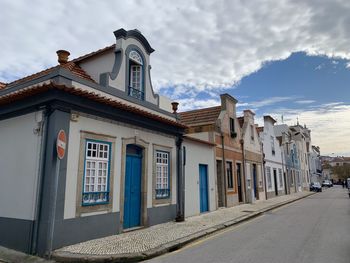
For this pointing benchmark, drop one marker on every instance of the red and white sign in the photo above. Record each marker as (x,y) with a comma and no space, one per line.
(61,144)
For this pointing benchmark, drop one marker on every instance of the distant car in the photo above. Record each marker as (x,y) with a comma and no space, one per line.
(316,187)
(327,183)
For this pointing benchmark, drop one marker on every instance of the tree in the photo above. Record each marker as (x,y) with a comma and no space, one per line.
(342,172)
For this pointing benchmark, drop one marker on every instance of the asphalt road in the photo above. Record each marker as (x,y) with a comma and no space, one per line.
(314,229)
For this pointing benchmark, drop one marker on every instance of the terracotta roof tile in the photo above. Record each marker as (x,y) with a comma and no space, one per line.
(201,116)
(33,90)
(71,66)
(2,85)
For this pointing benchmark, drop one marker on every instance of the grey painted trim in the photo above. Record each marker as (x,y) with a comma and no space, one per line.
(57,120)
(122,33)
(80,229)
(161,214)
(118,59)
(156,96)
(63,76)
(14,87)
(68,102)
(15,233)
(115,92)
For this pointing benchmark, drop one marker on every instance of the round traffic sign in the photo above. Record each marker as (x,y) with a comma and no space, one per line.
(61,144)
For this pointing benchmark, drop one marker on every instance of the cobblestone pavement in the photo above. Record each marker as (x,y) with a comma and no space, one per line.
(155,236)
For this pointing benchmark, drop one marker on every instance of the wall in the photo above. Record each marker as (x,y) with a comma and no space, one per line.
(19,162)
(197,153)
(274,161)
(19,168)
(119,131)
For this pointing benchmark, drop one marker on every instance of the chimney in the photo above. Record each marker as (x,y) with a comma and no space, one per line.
(175,105)
(62,56)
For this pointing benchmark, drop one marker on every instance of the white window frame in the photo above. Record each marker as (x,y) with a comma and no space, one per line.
(280,178)
(269,179)
(136,77)
(96,172)
(231,175)
(162,166)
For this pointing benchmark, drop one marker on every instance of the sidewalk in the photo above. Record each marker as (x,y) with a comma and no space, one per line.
(159,239)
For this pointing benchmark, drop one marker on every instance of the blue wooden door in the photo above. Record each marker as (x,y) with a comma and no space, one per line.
(203,188)
(132,191)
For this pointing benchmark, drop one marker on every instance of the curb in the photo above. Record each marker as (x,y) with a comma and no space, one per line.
(168,247)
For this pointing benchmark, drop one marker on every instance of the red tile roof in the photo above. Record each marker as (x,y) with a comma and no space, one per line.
(2,85)
(33,90)
(71,66)
(201,116)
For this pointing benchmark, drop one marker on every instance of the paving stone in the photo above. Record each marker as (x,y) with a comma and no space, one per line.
(163,235)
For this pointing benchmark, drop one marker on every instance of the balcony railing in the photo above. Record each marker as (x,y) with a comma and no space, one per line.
(137,94)
(162,193)
(94,198)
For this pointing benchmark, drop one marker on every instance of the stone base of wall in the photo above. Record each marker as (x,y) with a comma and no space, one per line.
(16,233)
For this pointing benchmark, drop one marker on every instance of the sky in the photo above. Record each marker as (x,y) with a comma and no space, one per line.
(283,58)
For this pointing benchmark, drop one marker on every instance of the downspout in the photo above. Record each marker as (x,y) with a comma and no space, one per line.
(244,172)
(286,185)
(223,168)
(180,190)
(180,204)
(39,190)
(263,167)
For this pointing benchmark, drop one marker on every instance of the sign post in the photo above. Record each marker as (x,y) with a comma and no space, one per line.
(61,143)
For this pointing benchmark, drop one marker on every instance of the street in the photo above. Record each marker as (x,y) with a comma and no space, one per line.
(314,229)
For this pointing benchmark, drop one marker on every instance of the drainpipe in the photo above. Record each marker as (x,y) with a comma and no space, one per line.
(39,190)
(263,167)
(244,173)
(223,168)
(180,204)
(180,190)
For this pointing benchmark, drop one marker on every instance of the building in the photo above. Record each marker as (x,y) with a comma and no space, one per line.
(219,125)
(199,173)
(122,167)
(315,164)
(290,156)
(302,138)
(274,167)
(252,158)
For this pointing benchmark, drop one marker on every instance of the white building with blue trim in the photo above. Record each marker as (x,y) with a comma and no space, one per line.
(123,163)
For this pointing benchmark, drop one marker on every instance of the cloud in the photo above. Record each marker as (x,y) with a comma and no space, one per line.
(265,102)
(202,44)
(329,124)
(304,101)
(193,103)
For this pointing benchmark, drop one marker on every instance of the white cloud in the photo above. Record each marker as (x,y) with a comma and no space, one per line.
(304,101)
(203,44)
(192,103)
(265,102)
(329,124)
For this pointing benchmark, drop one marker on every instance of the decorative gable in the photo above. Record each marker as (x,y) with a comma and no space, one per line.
(125,67)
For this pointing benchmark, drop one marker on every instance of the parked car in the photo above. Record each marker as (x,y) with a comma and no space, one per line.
(327,183)
(316,187)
